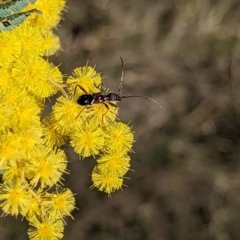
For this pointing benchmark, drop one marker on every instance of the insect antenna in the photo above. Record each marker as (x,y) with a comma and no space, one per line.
(141,96)
(121,81)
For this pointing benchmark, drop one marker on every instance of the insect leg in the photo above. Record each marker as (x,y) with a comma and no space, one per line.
(100,86)
(105,112)
(80,112)
(79,86)
(113,104)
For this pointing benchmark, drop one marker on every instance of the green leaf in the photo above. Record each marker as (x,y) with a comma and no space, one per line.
(13,6)
(10,22)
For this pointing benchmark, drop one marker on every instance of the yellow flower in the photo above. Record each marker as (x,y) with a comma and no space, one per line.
(10,48)
(59,204)
(48,228)
(33,208)
(102,115)
(50,135)
(118,136)
(115,163)
(47,167)
(87,139)
(6,82)
(6,112)
(54,73)
(65,115)
(28,140)
(85,77)
(29,70)
(14,198)
(35,205)
(45,88)
(51,43)
(30,39)
(50,16)
(59,3)
(13,95)
(106,182)
(15,170)
(8,149)
(26,110)
(31,162)
(32,72)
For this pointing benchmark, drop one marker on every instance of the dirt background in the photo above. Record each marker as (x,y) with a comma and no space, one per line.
(186,181)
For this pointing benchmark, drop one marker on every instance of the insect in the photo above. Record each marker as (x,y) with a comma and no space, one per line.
(100,97)
(110,98)
(10,17)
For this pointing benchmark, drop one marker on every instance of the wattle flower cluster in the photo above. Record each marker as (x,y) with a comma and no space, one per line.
(31,161)
(93,130)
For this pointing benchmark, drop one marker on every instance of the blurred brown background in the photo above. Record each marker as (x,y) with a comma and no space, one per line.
(186,180)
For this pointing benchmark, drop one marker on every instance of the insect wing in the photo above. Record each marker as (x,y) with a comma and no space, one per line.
(13,6)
